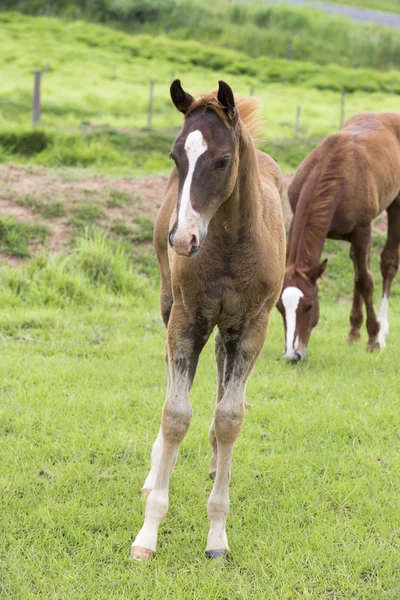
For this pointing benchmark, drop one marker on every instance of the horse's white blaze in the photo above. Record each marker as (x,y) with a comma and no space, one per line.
(195,146)
(290,300)
(383,321)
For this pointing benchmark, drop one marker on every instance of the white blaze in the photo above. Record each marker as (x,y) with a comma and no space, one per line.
(383,321)
(195,146)
(290,300)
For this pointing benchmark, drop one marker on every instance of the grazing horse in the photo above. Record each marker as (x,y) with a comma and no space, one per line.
(222,219)
(339,188)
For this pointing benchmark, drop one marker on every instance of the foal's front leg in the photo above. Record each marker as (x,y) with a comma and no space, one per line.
(184,344)
(240,357)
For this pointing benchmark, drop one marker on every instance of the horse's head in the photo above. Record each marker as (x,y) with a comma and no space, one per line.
(206,158)
(299,307)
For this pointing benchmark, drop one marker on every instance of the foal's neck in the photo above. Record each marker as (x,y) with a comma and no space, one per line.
(241,211)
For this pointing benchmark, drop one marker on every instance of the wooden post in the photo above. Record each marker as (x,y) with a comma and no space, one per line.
(342,103)
(172,74)
(297,122)
(251,91)
(150,110)
(284,80)
(36,98)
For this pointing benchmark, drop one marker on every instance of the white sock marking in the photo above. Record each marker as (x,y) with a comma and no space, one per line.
(290,299)
(195,146)
(383,321)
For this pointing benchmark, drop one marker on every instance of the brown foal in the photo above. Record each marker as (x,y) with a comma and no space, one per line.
(347,181)
(222,220)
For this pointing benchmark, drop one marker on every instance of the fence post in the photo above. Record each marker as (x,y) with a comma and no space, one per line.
(342,103)
(150,110)
(172,74)
(297,122)
(251,91)
(36,98)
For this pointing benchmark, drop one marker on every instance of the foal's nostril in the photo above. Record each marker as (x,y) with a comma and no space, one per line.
(297,356)
(170,239)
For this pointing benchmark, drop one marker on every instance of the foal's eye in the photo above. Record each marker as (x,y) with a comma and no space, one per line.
(223,163)
(308,307)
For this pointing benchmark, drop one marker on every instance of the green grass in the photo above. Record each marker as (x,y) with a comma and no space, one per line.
(16,236)
(254,28)
(82,51)
(315,477)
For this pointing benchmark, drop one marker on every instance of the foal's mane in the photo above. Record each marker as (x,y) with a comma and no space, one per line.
(249,110)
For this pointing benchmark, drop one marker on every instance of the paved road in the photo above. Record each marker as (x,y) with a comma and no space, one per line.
(363,15)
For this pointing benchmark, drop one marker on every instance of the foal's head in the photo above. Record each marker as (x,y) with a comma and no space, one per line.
(206,157)
(299,307)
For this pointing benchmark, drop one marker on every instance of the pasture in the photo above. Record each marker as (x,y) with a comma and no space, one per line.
(315,475)
(315,478)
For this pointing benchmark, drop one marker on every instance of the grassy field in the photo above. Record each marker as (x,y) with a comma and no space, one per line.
(254,28)
(102,124)
(315,478)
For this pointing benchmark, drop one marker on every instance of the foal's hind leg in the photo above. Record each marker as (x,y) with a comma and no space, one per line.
(356,315)
(389,266)
(184,347)
(241,355)
(361,242)
(220,355)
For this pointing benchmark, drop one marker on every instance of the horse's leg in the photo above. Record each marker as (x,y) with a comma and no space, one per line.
(241,355)
(356,315)
(361,242)
(220,360)
(184,345)
(389,266)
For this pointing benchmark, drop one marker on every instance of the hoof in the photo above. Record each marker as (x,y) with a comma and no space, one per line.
(354,336)
(212,474)
(145,493)
(372,346)
(217,553)
(138,553)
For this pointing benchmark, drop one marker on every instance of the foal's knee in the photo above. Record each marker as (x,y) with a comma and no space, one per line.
(228,421)
(176,421)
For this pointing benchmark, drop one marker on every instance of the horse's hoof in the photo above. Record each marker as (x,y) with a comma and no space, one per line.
(353,337)
(213,474)
(217,553)
(372,346)
(145,493)
(138,553)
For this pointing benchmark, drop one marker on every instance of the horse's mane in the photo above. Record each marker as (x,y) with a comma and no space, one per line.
(249,110)
(315,209)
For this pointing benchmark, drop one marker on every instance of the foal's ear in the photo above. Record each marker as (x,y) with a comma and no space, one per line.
(314,273)
(225,97)
(179,97)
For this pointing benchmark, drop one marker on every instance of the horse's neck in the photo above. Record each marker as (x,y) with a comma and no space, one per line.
(242,209)
(311,224)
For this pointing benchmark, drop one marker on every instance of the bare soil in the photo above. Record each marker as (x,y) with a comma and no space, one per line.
(26,192)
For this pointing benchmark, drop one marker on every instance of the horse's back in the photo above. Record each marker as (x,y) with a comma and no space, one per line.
(362,161)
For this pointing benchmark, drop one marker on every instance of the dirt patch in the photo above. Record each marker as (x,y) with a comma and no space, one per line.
(67,201)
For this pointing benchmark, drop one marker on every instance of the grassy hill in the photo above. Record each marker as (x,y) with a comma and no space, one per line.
(255,28)
(95,92)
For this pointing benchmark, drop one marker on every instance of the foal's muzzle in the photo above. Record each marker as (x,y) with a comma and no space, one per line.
(185,243)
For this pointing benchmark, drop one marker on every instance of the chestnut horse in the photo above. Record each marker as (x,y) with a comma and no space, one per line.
(222,219)
(340,187)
